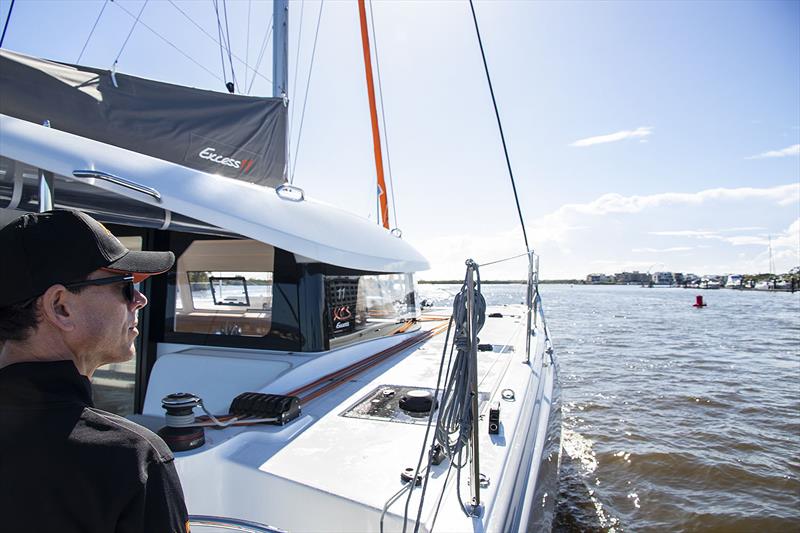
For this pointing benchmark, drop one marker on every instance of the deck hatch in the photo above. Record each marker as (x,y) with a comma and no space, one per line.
(383,403)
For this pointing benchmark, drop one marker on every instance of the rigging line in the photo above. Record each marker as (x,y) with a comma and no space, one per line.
(305,98)
(221,40)
(92,31)
(135,22)
(294,83)
(261,53)
(228,35)
(199,27)
(383,114)
(500,126)
(501,260)
(296,70)
(247,48)
(5,26)
(425,439)
(154,32)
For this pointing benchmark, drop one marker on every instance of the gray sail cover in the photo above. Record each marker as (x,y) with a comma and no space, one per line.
(240,137)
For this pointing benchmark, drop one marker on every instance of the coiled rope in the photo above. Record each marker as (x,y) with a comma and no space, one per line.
(454,427)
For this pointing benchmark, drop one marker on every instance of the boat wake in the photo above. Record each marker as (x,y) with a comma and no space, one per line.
(579,507)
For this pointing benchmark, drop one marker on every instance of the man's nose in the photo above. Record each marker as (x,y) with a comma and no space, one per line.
(139,299)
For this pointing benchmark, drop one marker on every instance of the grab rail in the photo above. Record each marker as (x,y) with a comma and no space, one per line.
(232,524)
(128,184)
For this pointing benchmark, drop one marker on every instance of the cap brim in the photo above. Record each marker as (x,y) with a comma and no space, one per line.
(143,264)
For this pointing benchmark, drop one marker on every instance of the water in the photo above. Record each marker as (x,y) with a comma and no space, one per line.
(675,418)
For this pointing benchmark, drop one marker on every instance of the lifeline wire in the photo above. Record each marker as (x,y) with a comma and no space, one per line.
(502,260)
(500,126)
(8,19)
(305,98)
(91,32)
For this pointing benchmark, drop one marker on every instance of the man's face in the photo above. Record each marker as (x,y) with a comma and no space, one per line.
(106,324)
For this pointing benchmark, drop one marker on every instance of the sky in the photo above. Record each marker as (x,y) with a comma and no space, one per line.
(642,135)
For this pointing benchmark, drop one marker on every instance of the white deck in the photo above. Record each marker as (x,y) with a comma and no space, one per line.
(326,472)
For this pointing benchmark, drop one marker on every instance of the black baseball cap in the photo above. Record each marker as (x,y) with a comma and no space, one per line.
(39,250)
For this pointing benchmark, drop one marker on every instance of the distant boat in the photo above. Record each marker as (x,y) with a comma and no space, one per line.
(735,281)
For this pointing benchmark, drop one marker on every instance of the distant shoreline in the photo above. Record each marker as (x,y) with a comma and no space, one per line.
(503,281)
(584,283)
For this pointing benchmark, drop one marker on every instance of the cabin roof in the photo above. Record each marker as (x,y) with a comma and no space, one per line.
(312,229)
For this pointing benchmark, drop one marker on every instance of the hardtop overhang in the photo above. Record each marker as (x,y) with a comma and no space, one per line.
(308,228)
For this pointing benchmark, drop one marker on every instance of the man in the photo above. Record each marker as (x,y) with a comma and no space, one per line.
(68,306)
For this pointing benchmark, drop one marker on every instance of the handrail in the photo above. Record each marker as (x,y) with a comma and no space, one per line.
(128,184)
(548,343)
(232,524)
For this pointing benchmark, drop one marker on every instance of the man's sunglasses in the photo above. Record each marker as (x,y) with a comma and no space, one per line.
(126,281)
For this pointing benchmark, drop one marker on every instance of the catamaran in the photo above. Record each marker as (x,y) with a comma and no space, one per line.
(286,359)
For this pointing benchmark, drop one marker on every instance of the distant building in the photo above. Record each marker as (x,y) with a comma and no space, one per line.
(663,278)
(691,279)
(599,278)
(680,279)
(634,277)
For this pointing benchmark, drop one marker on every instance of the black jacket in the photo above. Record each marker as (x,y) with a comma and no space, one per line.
(66,466)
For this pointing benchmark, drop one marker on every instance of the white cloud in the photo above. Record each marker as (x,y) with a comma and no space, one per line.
(662,250)
(576,238)
(784,152)
(789,238)
(617,265)
(701,234)
(746,228)
(643,131)
(705,234)
(617,203)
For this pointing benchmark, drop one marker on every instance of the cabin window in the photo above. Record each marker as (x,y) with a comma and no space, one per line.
(359,307)
(224,287)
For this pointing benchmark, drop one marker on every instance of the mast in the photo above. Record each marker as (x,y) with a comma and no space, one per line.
(373,112)
(280,48)
(280,62)
(771,261)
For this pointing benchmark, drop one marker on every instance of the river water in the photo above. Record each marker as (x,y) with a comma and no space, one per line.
(675,418)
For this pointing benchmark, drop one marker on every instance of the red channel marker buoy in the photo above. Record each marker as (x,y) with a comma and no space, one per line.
(698,301)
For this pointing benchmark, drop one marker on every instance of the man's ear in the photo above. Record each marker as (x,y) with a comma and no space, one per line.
(58,307)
